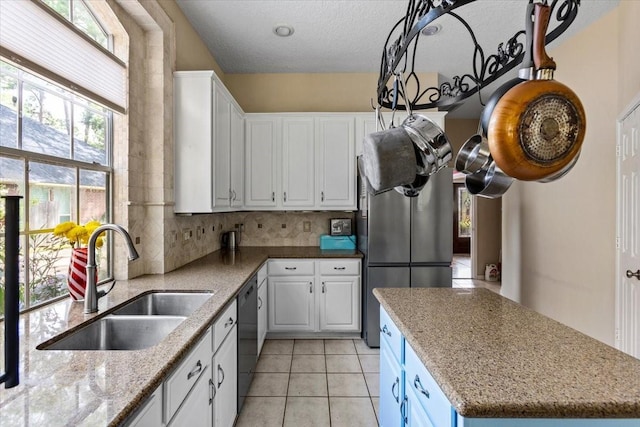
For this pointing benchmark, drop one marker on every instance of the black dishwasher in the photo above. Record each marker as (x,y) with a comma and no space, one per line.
(247,337)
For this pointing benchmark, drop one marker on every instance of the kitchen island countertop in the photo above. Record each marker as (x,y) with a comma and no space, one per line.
(105,387)
(495,358)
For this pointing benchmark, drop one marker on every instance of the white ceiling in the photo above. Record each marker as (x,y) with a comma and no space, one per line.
(349,35)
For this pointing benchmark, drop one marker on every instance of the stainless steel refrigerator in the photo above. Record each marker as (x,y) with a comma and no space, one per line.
(406,242)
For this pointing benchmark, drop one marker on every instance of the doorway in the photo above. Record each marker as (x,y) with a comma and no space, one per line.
(462,232)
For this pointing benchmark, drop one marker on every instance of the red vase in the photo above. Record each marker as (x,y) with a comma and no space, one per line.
(77,278)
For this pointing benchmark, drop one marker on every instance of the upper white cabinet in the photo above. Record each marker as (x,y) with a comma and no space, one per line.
(336,162)
(300,162)
(209,140)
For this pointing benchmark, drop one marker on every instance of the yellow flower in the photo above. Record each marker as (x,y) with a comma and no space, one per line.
(62,228)
(79,234)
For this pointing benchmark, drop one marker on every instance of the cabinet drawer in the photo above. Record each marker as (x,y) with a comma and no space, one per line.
(390,333)
(224,324)
(340,267)
(284,267)
(262,274)
(177,386)
(427,390)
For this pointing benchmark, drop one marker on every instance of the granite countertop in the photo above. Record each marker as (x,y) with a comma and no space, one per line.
(104,387)
(495,358)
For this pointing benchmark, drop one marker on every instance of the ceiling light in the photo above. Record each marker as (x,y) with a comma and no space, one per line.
(283,30)
(431,30)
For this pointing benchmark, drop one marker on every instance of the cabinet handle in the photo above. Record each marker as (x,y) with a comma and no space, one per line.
(230,194)
(220,370)
(273,196)
(195,371)
(259,303)
(323,288)
(322,196)
(385,330)
(310,287)
(228,322)
(212,391)
(234,195)
(339,268)
(285,196)
(291,268)
(393,393)
(418,385)
(403,411)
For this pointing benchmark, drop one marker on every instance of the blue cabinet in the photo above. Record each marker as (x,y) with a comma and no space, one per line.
(391,387)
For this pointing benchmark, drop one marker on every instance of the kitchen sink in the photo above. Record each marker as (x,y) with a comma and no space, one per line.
(164,304)
(118,333)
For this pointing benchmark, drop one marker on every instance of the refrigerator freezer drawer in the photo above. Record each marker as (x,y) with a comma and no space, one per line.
(431,277)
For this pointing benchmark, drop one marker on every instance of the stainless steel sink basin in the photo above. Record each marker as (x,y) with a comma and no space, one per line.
(165,304)
(118,333)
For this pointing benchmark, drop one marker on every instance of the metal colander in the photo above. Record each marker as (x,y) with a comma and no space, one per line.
(549,128)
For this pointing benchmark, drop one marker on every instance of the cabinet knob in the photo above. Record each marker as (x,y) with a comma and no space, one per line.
(273,196)
(228,322)
(285,196)
(631,274)
(339,268)
(220,371)
(195,371)
(393,393)
(418,385)
(322,196)
(212,391)
(291,268)
(259,303)
(323,288)
(385,330)
(310,287)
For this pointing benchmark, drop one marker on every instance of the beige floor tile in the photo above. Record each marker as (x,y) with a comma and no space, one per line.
(363,348)
(373,383)
(308,363)
(339,347)
(352,412)
(267,384)
(308,347)
(307,385)
(375,401)
(262,411)
(343,363)
(274,363)
(347,385)
(370,362)
(307,412)
(277,347)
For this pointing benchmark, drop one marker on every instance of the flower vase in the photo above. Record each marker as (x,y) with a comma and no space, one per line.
(77,278)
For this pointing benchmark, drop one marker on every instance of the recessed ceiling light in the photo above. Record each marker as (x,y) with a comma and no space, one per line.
(431,30)
(283,30)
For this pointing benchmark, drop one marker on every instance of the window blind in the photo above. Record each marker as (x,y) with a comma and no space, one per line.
(33,37)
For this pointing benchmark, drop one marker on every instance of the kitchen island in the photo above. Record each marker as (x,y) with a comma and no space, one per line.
(493,361)
(106,387)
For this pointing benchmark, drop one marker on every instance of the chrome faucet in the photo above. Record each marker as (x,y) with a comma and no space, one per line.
(91,292)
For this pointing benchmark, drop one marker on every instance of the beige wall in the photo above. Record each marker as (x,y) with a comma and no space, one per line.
(559,238)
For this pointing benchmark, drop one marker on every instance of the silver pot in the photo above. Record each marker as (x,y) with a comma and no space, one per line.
(474,155)
(433,147)
(489,182)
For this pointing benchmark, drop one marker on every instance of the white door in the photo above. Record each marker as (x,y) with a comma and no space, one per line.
(225,378)
(297,162)
(237,158)
(261,161)
(628,226)
(291,304)
(340,304)
(336,160)
(222,143)
(262,314)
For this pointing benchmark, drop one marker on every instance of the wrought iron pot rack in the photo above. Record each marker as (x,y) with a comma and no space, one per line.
(398,57)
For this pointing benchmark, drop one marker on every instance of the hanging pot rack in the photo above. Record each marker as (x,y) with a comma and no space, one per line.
(398,57)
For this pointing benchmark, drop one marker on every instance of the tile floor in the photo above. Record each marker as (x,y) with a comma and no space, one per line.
(461,266)
(305,383)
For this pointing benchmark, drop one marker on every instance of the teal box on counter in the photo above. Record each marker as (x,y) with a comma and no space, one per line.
(337,242)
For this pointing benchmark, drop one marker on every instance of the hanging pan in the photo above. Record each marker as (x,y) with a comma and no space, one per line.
(538,126)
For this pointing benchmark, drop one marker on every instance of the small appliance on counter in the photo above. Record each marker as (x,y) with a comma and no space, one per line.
(230,240)
(340,227)
(337,242)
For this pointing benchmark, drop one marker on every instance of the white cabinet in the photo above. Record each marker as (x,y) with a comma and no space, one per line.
(237,157)
(206,137)
(225,372)
(197,408)
(314,295)
(261,161)
(262,306)
(300,162)
(297,162)
(336,162)
(150,415)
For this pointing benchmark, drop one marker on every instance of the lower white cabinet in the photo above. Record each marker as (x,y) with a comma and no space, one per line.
(197,408)
(320,295)
(225,374)
(262,307)
(151,413)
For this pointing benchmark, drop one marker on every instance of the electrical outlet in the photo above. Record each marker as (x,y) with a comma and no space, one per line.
(198,232)
(173,239)
(186,235)
(306,226)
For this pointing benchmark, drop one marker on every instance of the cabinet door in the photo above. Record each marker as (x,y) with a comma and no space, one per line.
(298,171)
(225,377)
(196,410)
(291,303)
(193,111)
(336,160)
(414,414)
(222,143)
(151,413)
(262,314)
(340,303)
(261,161)
(237,158)
(391,384)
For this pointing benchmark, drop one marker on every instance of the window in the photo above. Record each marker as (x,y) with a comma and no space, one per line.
(77,12)
(55,152)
